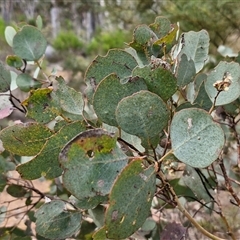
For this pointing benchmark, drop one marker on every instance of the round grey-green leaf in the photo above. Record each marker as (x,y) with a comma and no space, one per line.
(232,69)
(196,139)
(109,93)
(9,33)
(55,222)
(196,45)
(29,43)
(143,114)
(25,82)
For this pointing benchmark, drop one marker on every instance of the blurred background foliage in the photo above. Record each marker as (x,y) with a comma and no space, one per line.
(77,31)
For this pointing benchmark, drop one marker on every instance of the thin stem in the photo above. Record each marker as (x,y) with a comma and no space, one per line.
(202,204)
(42,195)
(194,215)
(39,65)
(36,191)
(11,97)
(167,154)
(214,102)
(230,179)
(14,209)
(224,219)
(237,139)
(167,140)
(191,219)
(194,223)
(228,183)
(186,213)
(28,210)
(154,153)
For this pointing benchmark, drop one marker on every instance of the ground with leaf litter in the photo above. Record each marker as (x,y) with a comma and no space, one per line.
(16,207)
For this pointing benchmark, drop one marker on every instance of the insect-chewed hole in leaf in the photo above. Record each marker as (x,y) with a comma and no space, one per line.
(223,85)
(45,105)
(90,153)
(100,147)
(133,79)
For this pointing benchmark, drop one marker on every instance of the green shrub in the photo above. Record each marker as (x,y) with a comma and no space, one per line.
(2,28)
(104,41)
(67,40)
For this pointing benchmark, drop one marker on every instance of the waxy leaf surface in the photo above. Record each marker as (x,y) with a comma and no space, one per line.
(55,222)
(159,81)
(195,45)
(130,200)
(42,105)
(29,43)
(70,100)
(46,162)
(116,61)
(142,36)
(109,93)
(14,61)
(201,96)
(185,71)
(161,26)
(91,162)
(9,33)
(143,114)
(25,139)
(230,94)
(196,139)
(25,82)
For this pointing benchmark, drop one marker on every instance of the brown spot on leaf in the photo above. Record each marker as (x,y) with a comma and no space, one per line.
(114,215)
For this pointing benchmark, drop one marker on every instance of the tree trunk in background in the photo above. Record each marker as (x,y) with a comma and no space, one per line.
(6,10)
(76,18)
(87,23)
(28,7)
(55,18)
(104,16)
